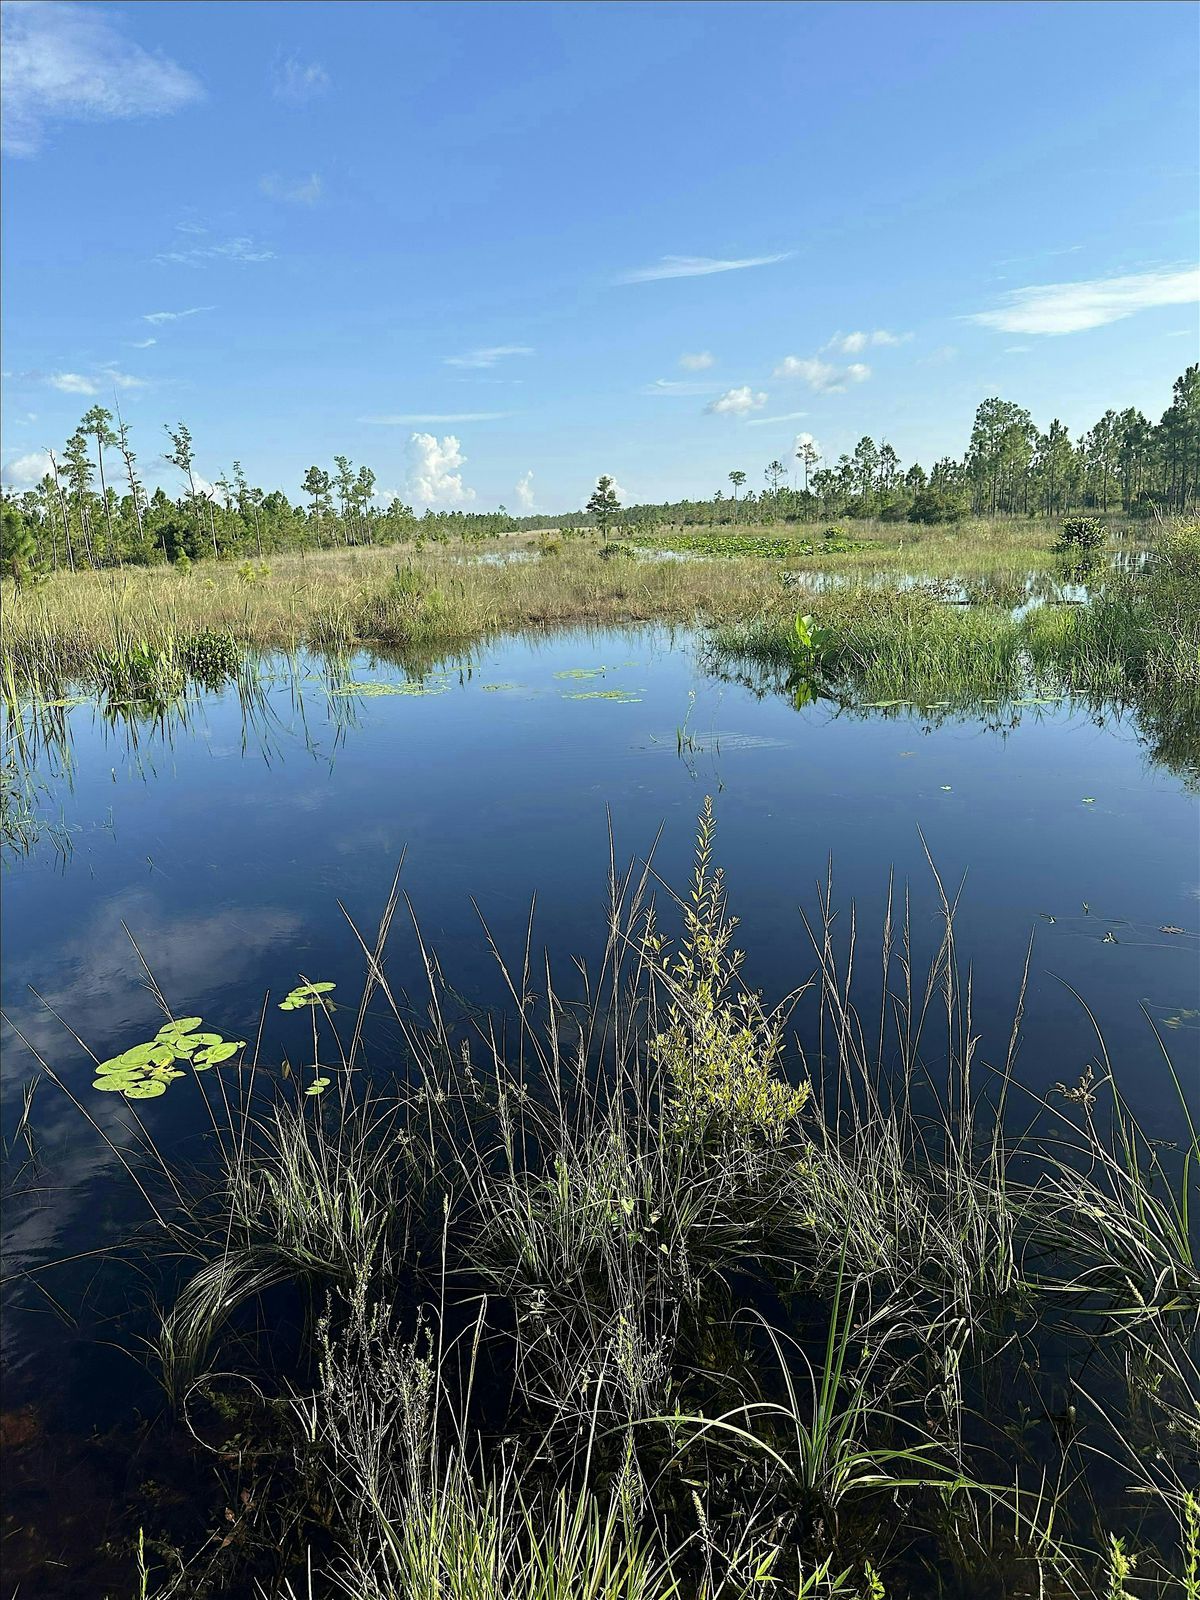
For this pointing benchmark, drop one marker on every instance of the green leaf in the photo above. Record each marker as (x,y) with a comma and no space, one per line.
(149,1090)
(217,1052)
(319,1086)
(180,1025)
(116,1082)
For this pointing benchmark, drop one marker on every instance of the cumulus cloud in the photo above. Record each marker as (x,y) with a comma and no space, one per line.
(695,267)
(489,355)
(175,316)
(73,63)
(737,402)
(296,82)
(699,362)
(25,472)
(434,471)
(1053,308)
(242,250)
(801,440)
(122,380)
(524,491)
(822,377)
(292,191)
(851,344)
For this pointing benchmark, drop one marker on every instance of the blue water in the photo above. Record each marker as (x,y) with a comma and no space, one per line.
(224,846)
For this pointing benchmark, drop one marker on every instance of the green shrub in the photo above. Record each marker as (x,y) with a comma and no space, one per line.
(1082,533)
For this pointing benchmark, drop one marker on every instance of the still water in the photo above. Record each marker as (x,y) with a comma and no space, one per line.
(226,843)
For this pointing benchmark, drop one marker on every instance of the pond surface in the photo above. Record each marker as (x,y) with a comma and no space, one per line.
(223,843)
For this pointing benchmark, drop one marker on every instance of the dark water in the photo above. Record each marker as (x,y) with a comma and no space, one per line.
(223,844)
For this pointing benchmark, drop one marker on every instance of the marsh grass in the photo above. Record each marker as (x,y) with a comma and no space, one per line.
(629,1296)
(100,629)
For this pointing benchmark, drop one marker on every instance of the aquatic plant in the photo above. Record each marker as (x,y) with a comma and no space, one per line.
(144,1071)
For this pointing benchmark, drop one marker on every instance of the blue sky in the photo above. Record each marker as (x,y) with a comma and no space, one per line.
(494,250)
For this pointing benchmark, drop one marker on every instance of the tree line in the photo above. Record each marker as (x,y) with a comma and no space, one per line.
(92,509)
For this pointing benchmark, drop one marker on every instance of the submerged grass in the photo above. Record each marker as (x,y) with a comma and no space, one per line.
(624,1298)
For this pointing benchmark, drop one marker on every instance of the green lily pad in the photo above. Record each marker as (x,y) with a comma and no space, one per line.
(150,1090)
(318,1086)
(213,1053)
(116,1082)
(180,1025)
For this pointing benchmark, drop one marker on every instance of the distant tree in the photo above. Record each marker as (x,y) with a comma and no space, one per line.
(316,484)
(774,473)
(737,479)
(78,467)
(17,545)
(807,455)
(137,492)
(183,456)
(604,505)
(98,424)
(62,509)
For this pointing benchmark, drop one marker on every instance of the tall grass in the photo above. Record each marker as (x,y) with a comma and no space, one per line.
(624,1297)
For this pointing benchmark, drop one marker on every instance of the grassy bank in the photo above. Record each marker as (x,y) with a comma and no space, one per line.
(1138,638)
(71,628)
(627,1299)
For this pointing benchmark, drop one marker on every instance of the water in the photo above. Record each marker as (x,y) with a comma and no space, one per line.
(224,845)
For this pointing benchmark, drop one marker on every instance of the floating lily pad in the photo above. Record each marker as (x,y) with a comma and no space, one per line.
(622,696)
(582,672)
(180,1025)
(211,1054)
(116,1082)
(318,1086)
(373,690)
(150,1089)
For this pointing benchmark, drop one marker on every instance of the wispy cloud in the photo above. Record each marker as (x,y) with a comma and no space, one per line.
(73,63)
(852,344)
(408,418)
(435,471)
(143,344)
(110,377)
(72,383)
(679,387)
(786,416)
(696,267)
(942,356)
(736,402)
(241,250)
(296,82)
(292,191)
(822,377)
(524,491)
(489,355)
(699,362)
(175,316)
(1054,308)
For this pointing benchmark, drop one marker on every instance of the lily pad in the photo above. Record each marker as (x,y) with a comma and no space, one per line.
(211,1054)
(116,1082)
(148,1090)
(180,1025)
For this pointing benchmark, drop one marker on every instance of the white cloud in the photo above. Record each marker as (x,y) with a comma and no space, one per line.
(241,250)
(695,267)
(786,416)
(407,418)
(73,63)
(822,377)
(71,383)
(123,380)
(678,386)
(851,344)
(293,191)
(489,356)
(434,477)
(1074,307)
(143,344)
(524,491)
(700,362)
(801,440)
(295,82)
(25,472)
(737,402)
(175,316)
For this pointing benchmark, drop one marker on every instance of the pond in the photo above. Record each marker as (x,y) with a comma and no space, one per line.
(236,844)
